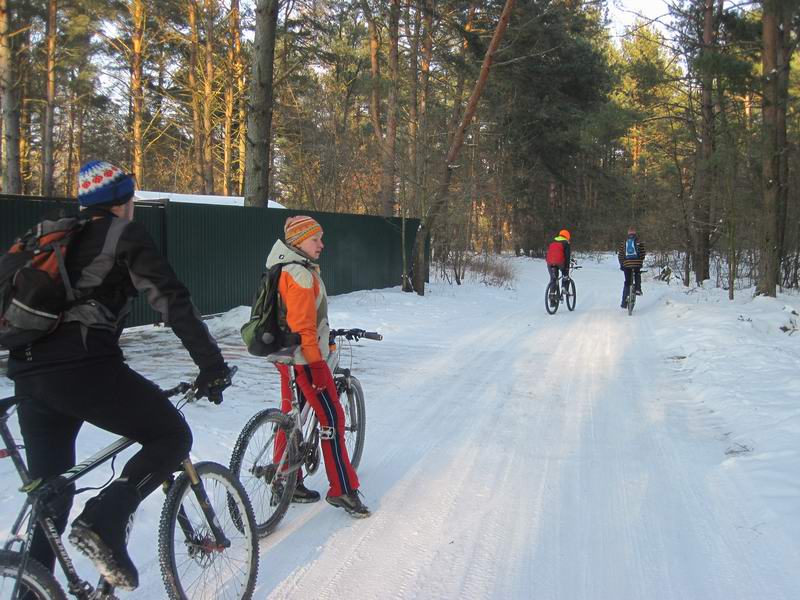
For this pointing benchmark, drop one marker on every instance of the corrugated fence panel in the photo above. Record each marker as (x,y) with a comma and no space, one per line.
(219,251)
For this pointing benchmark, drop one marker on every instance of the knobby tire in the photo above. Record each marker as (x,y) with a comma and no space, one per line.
(571,295)
(253,462)
(37,581)
(551,292)
(195,569)
(355,415)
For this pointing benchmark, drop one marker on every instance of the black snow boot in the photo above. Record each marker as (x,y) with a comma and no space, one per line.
(101,532)
(351,503)
(303,495)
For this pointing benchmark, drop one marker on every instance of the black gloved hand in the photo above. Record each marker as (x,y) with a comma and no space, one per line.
(212,381)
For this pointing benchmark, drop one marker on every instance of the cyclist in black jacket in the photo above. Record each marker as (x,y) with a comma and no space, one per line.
(78,373)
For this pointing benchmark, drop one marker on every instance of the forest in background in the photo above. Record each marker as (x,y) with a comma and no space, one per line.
(496,122)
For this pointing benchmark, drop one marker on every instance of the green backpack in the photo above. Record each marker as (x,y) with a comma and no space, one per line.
(262,334)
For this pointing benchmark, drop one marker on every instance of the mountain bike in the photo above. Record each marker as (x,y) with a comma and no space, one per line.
(273,446)
(631,302)
(561,289)
(207,543)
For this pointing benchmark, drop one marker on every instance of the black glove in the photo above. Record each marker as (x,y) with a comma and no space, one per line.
(212,381)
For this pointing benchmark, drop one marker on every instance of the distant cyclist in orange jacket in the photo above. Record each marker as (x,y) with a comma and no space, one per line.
(558,255)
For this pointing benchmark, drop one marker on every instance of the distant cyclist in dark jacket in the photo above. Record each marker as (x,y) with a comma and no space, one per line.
(558,255)
(78,374)
(631,256)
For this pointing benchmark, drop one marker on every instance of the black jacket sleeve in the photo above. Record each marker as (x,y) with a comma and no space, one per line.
(152,275)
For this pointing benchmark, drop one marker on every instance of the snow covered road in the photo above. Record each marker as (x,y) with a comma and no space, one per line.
(513,454)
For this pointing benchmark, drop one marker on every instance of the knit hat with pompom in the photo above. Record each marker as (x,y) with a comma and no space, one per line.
(100,182)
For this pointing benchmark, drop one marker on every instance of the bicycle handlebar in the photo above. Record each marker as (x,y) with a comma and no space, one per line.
(184,386)
(181,388)
(354,334)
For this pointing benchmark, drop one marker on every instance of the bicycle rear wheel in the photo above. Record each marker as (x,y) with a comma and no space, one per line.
(355,414)
(193,564)
(571,295)
(253,461)
(37,583)
(551,299)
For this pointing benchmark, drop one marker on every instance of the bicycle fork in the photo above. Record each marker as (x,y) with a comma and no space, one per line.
(205,505)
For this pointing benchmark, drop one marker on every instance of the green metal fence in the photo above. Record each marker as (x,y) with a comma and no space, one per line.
(219,251)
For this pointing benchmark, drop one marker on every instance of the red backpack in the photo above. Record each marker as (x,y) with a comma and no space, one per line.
(555,254)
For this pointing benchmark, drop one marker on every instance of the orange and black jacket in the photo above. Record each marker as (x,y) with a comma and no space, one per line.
(303,302)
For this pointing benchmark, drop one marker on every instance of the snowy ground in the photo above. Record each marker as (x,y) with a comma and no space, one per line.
(512,454)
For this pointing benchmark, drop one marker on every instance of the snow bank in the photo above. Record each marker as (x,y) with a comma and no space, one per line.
(198,198)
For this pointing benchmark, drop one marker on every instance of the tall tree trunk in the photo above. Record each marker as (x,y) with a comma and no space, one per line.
(413,81)
(460,77)
(241,134)
(259,119)
(704,182)
(784,56)
(390,144)
(386,142)
(375,94)
(413,124)
(457,141)
(230,98)
(208,99)
(10,106)
(137,88)
(69,173)
(197,120)
(770,184)
(420,176)
(25,161)
(48,125)
(78,150)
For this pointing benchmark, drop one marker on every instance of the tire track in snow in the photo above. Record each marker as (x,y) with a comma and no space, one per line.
(420,507)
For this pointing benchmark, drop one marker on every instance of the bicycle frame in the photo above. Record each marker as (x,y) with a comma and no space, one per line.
(631,299)
(39,493)
(302,421)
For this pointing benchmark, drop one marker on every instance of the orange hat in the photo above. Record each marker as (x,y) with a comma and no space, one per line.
(564,233)
(300,228)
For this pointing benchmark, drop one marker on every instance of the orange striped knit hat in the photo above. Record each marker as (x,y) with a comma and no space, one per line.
(300,228)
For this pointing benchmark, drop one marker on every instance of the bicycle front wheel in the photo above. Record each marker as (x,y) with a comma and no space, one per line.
(571,295)
(256,462)
(551,299)
(355,414)
(195,564)
(631,301)
(37,583)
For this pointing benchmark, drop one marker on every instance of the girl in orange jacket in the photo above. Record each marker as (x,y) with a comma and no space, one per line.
(304,310)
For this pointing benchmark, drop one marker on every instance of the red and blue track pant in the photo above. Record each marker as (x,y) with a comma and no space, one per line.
(342,478)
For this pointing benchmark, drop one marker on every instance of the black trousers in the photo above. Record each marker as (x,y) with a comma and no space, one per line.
(632,276)
(554,269)
(111,396)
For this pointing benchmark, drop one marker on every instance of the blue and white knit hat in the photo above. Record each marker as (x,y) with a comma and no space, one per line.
(100,182)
